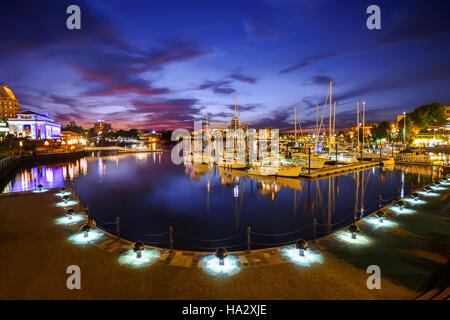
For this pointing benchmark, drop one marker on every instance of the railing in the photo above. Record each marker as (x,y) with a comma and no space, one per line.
(5,162)
(250,239)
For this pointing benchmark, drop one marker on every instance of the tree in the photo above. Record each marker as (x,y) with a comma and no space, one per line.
(429,115)
(381,131)
(72,126)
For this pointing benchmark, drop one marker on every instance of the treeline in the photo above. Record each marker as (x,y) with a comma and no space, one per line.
(422,117)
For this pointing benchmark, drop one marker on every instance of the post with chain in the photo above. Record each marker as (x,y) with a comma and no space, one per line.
(118,227)
(171,237)
(248,239)
(314,229)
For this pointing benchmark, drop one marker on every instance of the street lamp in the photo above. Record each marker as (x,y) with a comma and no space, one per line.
(404,127)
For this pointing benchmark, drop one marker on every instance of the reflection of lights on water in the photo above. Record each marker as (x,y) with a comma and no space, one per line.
(66,204)
(411,201)
(236,191)
(398,210)
(309,257)
(347,236)
(40,191)
(402,190)
(79,238)
(67,221)
(130,258)
(428,194)
(62,194)
(212,266)
(376,221)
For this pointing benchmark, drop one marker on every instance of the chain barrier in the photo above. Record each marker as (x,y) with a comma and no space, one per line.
(144,234)
(213,240)
(281,234)
(241,244)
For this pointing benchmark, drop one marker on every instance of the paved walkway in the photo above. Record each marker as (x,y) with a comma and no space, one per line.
(412,254)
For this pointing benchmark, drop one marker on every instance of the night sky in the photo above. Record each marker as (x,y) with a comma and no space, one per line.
(162,64)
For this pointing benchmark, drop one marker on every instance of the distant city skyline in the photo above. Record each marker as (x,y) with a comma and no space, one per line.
(162,64)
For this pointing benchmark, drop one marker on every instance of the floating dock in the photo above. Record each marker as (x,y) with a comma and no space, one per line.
(320,173)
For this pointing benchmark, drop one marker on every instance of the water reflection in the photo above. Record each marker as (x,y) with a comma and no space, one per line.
(149,194)
(50,176)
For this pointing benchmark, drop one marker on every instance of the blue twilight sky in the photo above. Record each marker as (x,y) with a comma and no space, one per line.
(162,64)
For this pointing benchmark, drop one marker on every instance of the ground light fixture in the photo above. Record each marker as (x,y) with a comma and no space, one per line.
(63,190)
(85,228)
(69,213)
(415,196)
(427,189)
(40,187)
(138,246)
(353,229)
(302,246)
(401,204)
(221,253)
(381,216)
(66,198)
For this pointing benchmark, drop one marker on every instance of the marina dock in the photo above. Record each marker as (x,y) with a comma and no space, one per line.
(320,173)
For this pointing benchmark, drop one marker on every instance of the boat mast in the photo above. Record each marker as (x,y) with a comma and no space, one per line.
(334,120)
(363,122)
(329,134)
(317,122)
(235,113)
(357,125)
(295,120)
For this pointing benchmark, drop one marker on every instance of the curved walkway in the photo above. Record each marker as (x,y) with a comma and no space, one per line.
(35,253)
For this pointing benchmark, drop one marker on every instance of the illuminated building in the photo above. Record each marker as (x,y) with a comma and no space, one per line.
(101,127)
(9,105)
(35,126)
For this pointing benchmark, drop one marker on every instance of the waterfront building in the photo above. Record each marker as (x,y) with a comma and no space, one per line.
(9,105)
(101,127)
(34,125)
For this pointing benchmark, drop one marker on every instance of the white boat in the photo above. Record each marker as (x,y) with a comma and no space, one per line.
(302,159)
(276,167)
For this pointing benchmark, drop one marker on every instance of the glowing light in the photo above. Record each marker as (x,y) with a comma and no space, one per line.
(67,221)
(66,204)
(428,194)
(398,210)
(62,194)
(147,256)
(376,222)
(438,188)
(212,266)
(40,191)
(79,238)
(412,201)
(310,257)
(347,236)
